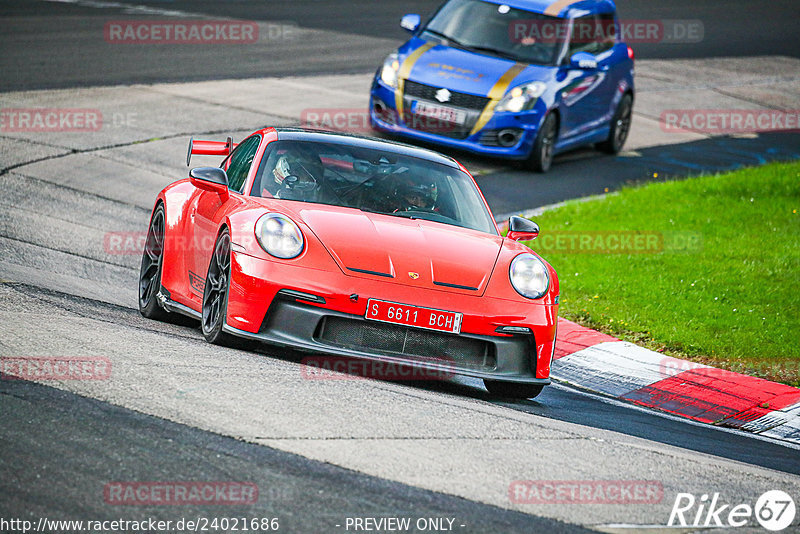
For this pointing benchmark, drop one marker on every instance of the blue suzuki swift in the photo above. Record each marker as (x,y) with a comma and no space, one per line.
(521,79)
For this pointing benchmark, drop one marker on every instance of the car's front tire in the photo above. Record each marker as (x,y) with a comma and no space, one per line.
(215,294)
(512,390)
(620,126)
(541,156)
(150,270)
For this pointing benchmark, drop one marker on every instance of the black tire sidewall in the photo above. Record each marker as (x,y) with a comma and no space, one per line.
(153,309)
(535,161)
(610,145)
(216,335)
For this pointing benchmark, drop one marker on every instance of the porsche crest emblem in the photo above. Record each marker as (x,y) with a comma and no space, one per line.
(413,275)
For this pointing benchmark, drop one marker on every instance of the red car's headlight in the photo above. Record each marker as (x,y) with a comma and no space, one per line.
(279,236)
(529,276)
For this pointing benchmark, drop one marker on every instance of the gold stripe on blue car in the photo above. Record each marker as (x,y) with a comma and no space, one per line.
(405,70)
(495,94)
(556,7)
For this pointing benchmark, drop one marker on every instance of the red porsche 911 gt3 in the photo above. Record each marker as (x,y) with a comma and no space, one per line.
(352,247)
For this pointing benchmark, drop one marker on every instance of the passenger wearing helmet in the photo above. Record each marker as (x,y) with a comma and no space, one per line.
(297,173)
(416,195)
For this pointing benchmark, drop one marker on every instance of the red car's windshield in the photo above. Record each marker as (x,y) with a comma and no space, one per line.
(371,180)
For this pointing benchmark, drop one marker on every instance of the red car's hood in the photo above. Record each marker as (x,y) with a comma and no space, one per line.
(416,252)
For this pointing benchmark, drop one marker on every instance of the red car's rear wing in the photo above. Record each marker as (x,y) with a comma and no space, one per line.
(209,148)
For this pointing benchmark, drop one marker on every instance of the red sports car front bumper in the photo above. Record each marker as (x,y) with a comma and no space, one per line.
(321,310)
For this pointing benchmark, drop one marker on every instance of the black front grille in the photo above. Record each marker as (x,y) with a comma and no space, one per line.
(461,100)
(472,105)
(410,343)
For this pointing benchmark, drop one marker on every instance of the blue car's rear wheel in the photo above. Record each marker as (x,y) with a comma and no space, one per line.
(620,126)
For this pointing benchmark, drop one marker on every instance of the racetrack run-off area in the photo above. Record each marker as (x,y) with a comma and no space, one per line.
(78,298)
(601,363)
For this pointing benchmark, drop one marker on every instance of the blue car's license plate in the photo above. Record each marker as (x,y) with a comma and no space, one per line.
(442,113)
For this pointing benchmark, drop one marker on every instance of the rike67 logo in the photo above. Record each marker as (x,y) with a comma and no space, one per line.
(774,510)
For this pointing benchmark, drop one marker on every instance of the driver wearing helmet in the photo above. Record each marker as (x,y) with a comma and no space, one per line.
(414,196)
(297,172)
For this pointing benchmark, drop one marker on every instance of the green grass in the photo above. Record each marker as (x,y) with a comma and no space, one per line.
(720,283)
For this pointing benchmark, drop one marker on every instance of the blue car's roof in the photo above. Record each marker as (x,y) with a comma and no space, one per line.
(321,136)
(560,8)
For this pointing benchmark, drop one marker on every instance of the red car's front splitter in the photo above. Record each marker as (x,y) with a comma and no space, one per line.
(319,310)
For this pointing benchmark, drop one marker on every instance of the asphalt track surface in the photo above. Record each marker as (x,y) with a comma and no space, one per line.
(39,43)
(58,449)
(60,44)
(57,480)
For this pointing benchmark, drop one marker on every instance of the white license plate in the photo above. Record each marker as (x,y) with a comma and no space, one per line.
(416,316)
(442,113)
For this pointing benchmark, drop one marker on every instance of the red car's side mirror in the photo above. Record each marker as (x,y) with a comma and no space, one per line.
(520,229)
(210,179)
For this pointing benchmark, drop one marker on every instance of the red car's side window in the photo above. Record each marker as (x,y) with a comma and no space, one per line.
(240,161)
